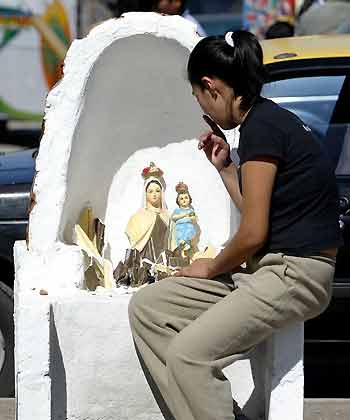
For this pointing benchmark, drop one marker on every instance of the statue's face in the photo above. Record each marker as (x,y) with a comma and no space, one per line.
(184,200)
(154,194)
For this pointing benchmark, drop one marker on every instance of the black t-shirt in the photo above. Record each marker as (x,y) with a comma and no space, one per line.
(304,214)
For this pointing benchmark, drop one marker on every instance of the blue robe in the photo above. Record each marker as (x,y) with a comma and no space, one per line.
(185,228)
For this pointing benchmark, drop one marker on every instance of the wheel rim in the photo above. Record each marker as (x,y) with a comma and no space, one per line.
(2,350)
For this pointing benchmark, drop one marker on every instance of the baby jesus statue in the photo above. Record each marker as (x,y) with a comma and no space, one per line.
(184,222)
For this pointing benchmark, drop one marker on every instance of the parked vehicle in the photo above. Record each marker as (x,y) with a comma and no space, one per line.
(16,175)
(311,77)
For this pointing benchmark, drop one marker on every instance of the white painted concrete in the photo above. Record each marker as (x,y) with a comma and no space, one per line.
(83,364)
(124,90)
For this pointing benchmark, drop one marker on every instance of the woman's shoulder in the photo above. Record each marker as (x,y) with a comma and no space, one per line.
(273,114)
(267,117)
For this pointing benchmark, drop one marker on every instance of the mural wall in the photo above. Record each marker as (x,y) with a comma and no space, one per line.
(34,38)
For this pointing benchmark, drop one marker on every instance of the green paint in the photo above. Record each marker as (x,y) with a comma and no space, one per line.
(14,114)
(50,58)
(8,11)
(7,36)
(9,33)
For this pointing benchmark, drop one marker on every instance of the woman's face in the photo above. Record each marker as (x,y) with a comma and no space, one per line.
(184,200)
(218,102)
(169,7)
(154,194)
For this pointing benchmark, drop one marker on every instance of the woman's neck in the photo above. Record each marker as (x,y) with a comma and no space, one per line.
(239,115)
(245,114)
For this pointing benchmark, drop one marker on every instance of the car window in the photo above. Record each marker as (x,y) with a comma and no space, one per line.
(17,136)
(323,103)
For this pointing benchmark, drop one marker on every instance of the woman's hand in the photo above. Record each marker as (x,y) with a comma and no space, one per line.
(215,145)
(201,268)
(216,149)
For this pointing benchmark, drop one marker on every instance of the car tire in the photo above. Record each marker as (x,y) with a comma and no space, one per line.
(7,367)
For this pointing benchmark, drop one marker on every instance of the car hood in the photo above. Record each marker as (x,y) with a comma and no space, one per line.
(17,167)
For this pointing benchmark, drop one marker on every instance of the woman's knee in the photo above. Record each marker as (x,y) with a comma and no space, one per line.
(143,300)
(139,301)
(181,353)
(175,357)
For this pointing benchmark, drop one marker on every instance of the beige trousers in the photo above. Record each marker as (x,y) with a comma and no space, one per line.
(187,330)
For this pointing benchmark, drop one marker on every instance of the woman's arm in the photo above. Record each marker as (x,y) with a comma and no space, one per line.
(258,179)
(229,176)
(257,183)
(217,151)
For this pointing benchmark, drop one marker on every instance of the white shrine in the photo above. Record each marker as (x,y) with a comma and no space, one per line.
(123,101)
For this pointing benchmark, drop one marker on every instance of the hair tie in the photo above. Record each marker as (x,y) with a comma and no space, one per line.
(229,39)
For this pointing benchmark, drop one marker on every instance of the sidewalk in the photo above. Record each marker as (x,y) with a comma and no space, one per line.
(7,409)
(315,409)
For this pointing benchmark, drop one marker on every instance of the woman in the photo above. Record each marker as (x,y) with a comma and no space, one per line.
(188,328)
(147,229)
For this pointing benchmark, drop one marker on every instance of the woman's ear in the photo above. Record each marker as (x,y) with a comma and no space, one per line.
(209,85)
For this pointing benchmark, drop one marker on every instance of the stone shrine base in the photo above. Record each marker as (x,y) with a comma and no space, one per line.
(75,359)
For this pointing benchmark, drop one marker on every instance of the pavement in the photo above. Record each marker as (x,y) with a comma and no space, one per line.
(315,409)
(7,409)
(327,409)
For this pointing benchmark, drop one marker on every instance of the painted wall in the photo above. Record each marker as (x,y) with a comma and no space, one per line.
(30,62)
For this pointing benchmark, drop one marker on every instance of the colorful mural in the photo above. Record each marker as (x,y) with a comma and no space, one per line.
(33,43)
(258,15)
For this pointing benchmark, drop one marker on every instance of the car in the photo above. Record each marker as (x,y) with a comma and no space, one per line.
(310,76)
(17,168)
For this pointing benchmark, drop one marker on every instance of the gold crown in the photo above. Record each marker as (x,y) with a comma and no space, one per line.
(181,188)
(152,170)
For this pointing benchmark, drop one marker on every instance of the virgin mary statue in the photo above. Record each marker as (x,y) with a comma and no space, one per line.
(147,229)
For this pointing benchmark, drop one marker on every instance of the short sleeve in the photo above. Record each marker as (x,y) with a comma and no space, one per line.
(261,139)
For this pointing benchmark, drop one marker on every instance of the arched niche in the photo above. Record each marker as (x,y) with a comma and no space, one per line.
(124,88)
(124,91)
(136,97)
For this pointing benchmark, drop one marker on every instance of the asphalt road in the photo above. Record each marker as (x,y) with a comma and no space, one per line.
(325,409)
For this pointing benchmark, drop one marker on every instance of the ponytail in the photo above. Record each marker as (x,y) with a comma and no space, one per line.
(236,59)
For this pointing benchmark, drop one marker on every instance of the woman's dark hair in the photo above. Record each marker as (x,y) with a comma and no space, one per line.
(180,193)
(240,66)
